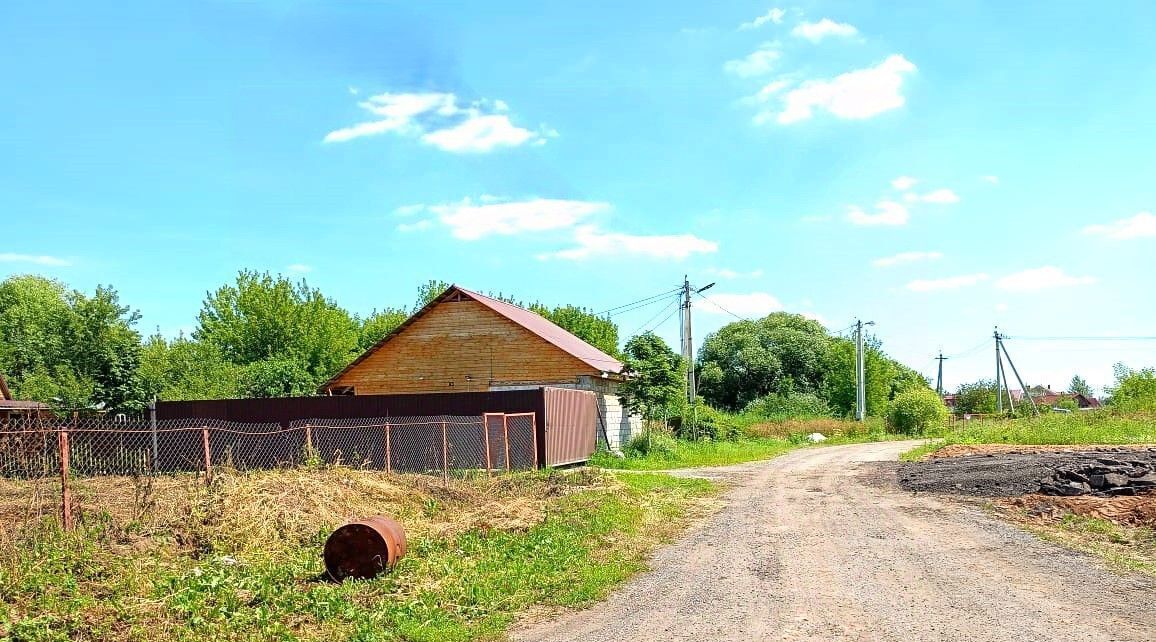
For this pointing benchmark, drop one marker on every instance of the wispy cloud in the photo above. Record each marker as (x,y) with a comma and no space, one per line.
(994,180)
(906,257)
(775,16)
(1042,278)
(750,305)
(855,95)
(726,273)
(904,183)
(299,268)
(816,31)
(442,121)
(473,219)
(948,283)
(1141,225)
(940,196)
(592,241)
(757,63)
(35,259)
(887,213)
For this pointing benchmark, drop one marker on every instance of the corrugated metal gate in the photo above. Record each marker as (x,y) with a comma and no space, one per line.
(571,424)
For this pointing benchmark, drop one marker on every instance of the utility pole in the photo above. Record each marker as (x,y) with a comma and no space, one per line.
(998,373)
(860,378)
(1027,393)
(939,378)
(687,341)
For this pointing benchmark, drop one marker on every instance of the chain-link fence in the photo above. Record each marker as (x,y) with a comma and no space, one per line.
(35,450)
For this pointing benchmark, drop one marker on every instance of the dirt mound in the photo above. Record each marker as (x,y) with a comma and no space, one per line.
(1134,511)
(959,450)
(1122,471)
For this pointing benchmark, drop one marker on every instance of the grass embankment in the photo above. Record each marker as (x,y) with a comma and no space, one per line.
(761,440)
(1096,427)
(172,560)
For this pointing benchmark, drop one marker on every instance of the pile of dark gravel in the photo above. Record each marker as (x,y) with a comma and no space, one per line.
(1104,472)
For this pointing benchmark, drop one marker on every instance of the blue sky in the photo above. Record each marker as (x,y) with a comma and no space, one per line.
(937,169)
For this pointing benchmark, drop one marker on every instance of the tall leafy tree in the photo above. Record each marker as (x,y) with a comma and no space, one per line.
(183,369)
(378,324)
(1079,386)
(976,398)
(264,318)
(63,346)
(429,291)
(656,376)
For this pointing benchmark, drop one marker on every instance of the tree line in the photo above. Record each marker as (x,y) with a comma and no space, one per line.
(262,335)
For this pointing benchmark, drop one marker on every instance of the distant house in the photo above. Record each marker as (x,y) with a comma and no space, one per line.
(463,341)
(16,408)
(1047,397)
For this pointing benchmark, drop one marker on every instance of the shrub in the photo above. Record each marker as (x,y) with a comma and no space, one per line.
(709,424)
(651,443)
(914,411)
(793,405)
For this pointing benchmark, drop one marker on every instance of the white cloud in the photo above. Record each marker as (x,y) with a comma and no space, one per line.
(775,15)
(1043,278)
(816,31)
(472,219)
(814,316)
(752,305)
(1139,226)
(888,213)
(941,196)
(994,180)
(949,283)
(726,273)
(299,268)
(439,120)
(906,257)
(759,62)
(855,95)
(592,241)
(42,259)
(904,183)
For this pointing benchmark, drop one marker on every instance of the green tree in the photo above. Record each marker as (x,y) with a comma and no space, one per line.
(183,369)
(277,377)
(83,344)
(1079,386)
(600,332)
(915,411)
(746,360)
(792,405)
(656,376)
(976,398)
(374,327)
(1134,390)
(429,291)
(262,318)
(884,378)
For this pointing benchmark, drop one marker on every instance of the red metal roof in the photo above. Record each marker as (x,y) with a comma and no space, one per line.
(535,323)
(546,329)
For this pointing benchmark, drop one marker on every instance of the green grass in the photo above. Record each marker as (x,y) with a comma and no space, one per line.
(1122,547)
(120,581)
(681,453)
(1097,427)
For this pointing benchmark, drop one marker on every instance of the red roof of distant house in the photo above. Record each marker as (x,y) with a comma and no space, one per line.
(535,323)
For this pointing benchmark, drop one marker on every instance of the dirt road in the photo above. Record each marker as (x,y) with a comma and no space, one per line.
(821,545)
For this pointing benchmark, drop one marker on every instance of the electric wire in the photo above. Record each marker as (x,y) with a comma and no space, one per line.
(618,309)
(651,319)
(712,302)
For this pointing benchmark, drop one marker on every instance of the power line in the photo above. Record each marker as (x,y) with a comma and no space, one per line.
(710,301)
(1087,338)
(651,319)
(633,305)
(970,351)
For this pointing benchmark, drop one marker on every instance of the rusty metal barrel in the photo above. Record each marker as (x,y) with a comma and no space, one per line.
(364,548)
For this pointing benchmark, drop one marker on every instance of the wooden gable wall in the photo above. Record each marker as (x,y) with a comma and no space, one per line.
(455,339)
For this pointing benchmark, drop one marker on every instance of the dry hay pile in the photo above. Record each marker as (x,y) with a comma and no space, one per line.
(270,509)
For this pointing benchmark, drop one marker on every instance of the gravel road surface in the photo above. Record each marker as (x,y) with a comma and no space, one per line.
(821,544)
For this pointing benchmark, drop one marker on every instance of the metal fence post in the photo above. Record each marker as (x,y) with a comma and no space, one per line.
(486,437)
(388,463)
(534,431)
(153,428)
(506,438)
(208,455)
(65,492)
(445,453)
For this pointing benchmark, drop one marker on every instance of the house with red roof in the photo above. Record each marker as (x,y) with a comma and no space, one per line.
(463,341)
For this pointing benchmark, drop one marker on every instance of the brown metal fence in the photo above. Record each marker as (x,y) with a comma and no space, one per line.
(64,448)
